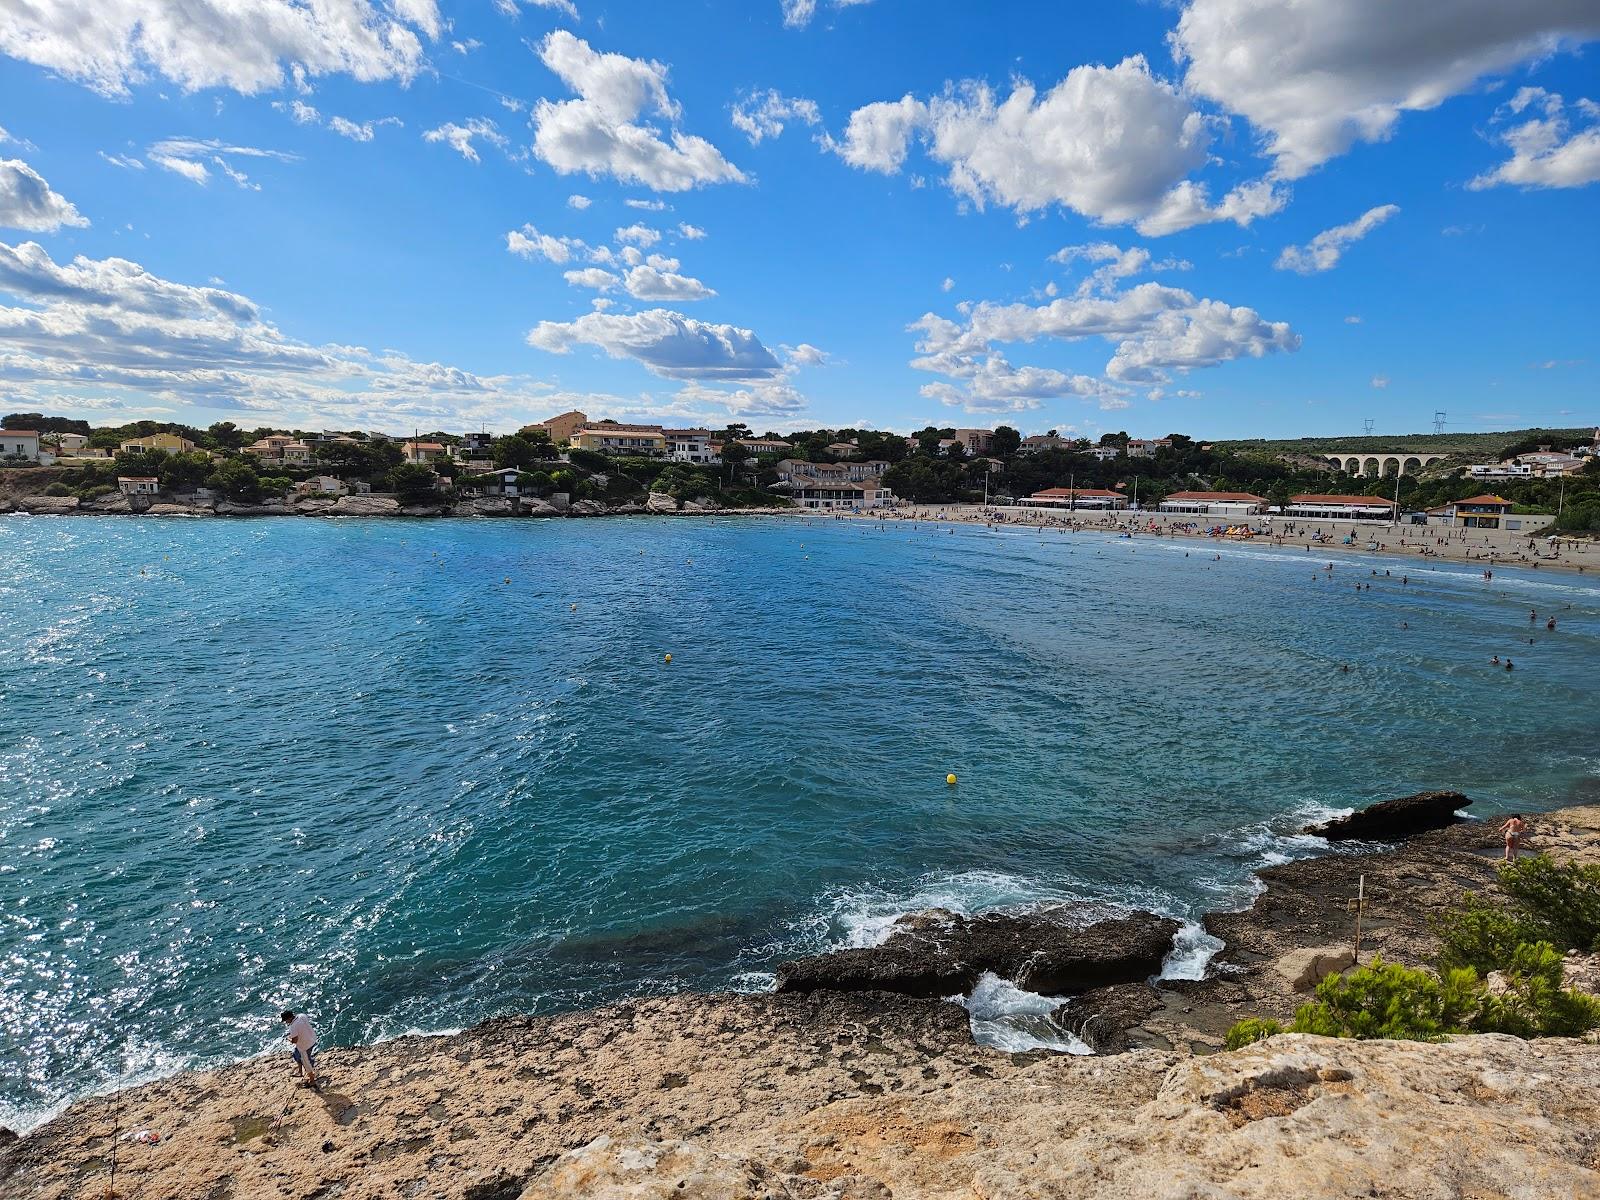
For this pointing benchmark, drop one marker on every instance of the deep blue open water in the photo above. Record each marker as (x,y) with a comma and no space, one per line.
(386,771)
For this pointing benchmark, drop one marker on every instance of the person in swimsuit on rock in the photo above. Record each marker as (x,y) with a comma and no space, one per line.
(1515,831)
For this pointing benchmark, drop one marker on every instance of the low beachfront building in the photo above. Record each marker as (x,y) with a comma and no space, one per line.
(1215,504)
(19,445)
(1045,441)
(167,443)
(835,494)
(1356,508)
(71,443)
(691,446)
(328,485)
(1475,512)
(502,482)
(138,485)
(610,437)
(1075,499)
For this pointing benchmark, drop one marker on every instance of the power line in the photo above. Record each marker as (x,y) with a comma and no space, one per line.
(1438,420)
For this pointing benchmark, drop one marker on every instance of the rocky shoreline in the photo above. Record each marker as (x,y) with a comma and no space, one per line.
(657,504)
(832,1087)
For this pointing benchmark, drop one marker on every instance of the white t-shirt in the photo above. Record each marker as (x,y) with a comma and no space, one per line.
(301,1034)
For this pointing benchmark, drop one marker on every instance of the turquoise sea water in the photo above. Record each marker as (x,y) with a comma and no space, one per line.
(347,766)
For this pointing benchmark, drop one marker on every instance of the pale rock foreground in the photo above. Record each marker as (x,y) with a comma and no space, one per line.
(1294,1117)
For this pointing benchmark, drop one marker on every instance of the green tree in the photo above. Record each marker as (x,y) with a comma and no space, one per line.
(413,483)
(235,479)
(1007,441)
(183,471)
(734,456)
(514,450)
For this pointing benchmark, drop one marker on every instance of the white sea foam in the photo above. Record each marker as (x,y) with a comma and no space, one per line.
(1191,954)
(1005,1017)
(865,916)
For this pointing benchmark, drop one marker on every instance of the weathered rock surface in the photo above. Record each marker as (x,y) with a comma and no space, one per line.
(1392,820)
(659,502)
(739,1098)
(197,508)
(1051,951)
(48,505)
(1305,968)
(366,506)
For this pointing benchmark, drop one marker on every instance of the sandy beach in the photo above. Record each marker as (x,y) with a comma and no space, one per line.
(1486,549)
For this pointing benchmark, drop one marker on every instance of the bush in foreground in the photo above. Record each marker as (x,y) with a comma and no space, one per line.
(1553,907)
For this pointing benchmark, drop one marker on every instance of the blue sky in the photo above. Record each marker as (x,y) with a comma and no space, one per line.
(1225,217)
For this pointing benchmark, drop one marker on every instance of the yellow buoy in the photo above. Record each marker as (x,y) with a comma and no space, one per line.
(950,779)
(669,658)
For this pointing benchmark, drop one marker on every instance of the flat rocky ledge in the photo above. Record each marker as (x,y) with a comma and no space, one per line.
(872,1095)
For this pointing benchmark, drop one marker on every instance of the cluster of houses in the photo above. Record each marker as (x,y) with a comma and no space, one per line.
(1543,463)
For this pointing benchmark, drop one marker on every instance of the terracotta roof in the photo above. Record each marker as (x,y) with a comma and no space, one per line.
(1092,493)
(1482,500)
(1245,497)
(1358,501)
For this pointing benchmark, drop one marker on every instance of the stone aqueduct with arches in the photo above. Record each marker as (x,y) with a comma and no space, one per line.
(1385,465)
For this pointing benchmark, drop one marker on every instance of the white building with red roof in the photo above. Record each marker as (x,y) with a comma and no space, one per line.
(1355,508)
(1075,498)
(1215,504)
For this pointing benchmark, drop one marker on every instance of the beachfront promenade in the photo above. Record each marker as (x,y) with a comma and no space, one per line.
(1485,548)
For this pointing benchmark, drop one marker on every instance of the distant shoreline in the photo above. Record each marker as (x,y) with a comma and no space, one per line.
(1461,547)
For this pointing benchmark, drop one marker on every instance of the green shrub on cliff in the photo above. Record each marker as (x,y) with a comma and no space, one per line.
(1561,900)
(1481,935)
(1387,1000)
(1533,1003)
(1251,1029)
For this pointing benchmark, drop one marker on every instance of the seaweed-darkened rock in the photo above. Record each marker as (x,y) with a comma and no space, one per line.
(1391,820)
(1053,951)
(1103,1017)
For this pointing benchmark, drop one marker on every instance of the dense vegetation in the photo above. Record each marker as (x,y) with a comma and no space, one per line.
(1549,908)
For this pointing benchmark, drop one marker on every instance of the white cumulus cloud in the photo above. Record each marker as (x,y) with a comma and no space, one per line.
(667,343)
(1114,144)
(459,137)
(1314,77)
(761,115)
(28,202)
(1546,152)
(600,133)
(1322,252)
(249,46)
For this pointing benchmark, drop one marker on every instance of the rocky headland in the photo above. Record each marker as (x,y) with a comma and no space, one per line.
(855,1081)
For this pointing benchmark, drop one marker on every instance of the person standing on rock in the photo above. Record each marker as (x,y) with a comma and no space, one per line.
(304,1040)
(1515,830)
